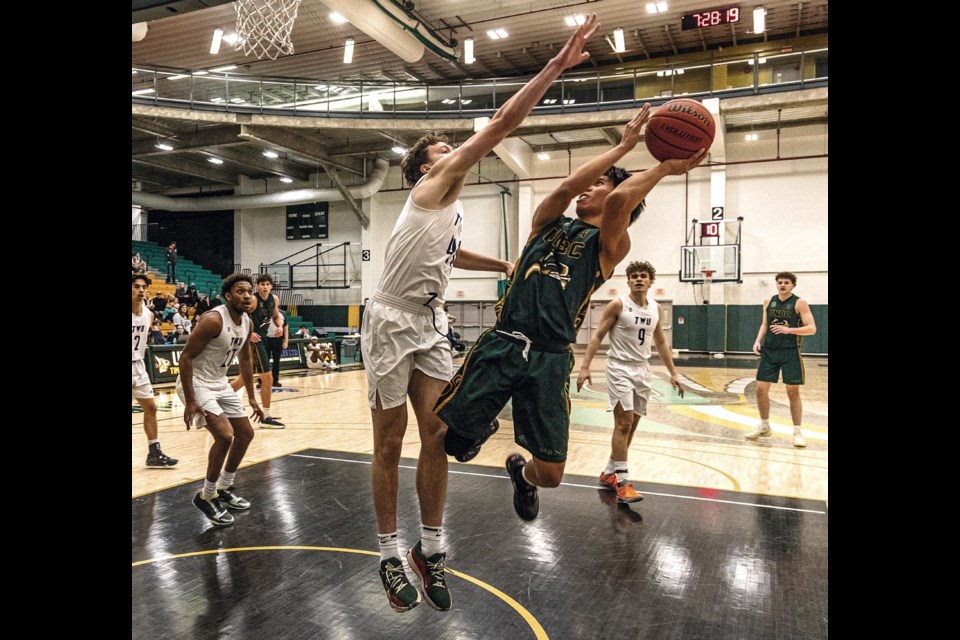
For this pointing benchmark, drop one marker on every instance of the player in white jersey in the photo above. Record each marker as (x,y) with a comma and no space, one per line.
(405,347)
(142,390)
(633,322)
(205,391)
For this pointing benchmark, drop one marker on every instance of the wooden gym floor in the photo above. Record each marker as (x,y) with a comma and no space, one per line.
(730,541)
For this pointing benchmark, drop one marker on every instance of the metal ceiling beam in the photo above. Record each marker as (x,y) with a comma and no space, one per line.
(254,159)
(214,137)
(354,205)
(186,167)
(761,126)
(513,65)
(799,17)
(298,144)
(643,47)
(155,129)
(666,29)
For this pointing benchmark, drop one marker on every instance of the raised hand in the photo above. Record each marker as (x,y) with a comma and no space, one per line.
(678,167)
(572,53)
(631,133)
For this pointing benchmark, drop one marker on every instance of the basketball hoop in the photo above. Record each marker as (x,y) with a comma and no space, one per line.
(264,26)
(705,285)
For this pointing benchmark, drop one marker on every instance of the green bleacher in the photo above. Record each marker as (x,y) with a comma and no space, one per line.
(207,282)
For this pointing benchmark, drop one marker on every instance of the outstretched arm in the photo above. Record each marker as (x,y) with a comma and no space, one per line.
(614,239)
(475,262)
(580,180)
(446,177)
(607,320)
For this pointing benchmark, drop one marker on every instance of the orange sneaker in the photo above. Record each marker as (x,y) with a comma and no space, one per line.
(608,481)
(626,493)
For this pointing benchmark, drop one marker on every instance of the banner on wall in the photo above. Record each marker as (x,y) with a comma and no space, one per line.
(165,361)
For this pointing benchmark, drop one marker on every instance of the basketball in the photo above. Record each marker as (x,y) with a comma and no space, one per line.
(679,129)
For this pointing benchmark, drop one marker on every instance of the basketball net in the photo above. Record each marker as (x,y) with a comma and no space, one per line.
(264,26)
(705,286)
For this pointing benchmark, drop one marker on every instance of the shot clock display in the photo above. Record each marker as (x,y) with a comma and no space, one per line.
(710,18)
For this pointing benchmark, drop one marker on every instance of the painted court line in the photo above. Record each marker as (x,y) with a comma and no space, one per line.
(585,486)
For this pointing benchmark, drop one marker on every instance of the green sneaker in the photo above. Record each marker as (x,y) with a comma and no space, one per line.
(402,595)
(430,571)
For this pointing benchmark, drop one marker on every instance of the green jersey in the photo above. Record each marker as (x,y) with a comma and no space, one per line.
(263,314)
(558,271)
(784,314)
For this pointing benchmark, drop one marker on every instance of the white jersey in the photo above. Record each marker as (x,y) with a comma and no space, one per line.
(141,329)
(420,253)
(632,334)
(212,363)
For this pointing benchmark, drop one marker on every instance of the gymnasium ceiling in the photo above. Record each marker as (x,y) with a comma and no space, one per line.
(179,35)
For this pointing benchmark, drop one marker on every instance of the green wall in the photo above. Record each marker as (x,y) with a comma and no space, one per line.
(732,328)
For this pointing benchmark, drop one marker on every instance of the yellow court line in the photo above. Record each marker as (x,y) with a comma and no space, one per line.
(516,606)
(704,417)
(242,466)
(751,412)
(736,485)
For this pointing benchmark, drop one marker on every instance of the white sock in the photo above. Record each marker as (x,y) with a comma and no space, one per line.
(796,429)
(149,442)
(524,475)
(611,467)
(225,481)
(389,547)
(765,424)
(266,412)
(430,540)
(209,490)
(622,471)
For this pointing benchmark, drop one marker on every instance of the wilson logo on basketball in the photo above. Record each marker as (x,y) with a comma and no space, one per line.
(680,108)
(682,135)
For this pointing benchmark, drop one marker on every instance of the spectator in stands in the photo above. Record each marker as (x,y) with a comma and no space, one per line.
(171,258)
(192,297)
(303,332)
(182,319)
(174,337)
(159,304)
(170,309)
(155,336)
(204,305)
(139,265)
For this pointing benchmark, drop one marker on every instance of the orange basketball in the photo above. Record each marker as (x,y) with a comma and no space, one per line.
(679,129)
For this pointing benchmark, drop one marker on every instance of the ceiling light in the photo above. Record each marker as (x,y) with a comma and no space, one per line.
(215,160)
(751,62)
(543,156)
(573,21)
(619,45)
(179,76)
(348,51)
(550,101)
(217,99)
(140,92)
(447,101)
(497,34)
(134,71)
(759,20)
(337,18)
(467,101)
(569,101)
(215,44)
(200,73)
(164,146)
(468,51)
(397,149)
(271,154)
(286,179)
(656,7)
(229,67)
(750,137)
(236,100)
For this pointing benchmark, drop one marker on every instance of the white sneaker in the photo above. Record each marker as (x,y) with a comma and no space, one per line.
(799,440)
(760,432)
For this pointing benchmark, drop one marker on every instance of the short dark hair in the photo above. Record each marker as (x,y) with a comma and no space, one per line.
(233,279)
(417,155)
(618,175)
(637,267)
(789,276)
(264,277)
(141,276)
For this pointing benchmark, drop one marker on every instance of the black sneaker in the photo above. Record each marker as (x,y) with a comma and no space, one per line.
(277,384)
(430,571)
(232,500)
(464,451)
(214,510)
(402,595)
(525,500)
(271,423)
(156,458)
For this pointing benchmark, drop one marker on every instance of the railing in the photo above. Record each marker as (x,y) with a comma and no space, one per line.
(145,232)
(315,267)
(737,76)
